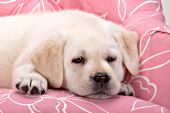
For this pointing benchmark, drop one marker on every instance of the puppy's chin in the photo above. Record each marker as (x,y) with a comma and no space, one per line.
(100,95)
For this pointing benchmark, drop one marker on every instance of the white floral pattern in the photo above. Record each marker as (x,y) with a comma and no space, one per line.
(63,101)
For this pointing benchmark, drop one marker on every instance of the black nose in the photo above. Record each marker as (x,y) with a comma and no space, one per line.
(101,77)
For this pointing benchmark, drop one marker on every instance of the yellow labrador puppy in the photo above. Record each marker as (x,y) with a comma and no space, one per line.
(74,50)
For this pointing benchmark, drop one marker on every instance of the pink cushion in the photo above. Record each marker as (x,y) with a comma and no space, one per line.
(142,16)
(62,101)
(152,83)
(115,10)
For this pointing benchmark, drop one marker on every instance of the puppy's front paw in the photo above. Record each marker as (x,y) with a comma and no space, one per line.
(33,83)
(126,90)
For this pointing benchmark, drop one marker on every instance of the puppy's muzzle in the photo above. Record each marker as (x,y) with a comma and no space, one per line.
(101,78)
(101,85)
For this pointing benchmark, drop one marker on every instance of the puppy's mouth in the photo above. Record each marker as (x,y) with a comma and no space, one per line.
(99,95)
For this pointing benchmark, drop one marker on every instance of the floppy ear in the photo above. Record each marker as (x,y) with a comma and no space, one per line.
(128,40)
(47,59)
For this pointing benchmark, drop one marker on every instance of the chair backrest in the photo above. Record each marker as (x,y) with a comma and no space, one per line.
(114,10)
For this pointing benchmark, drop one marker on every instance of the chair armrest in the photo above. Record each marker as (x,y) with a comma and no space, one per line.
(152,83)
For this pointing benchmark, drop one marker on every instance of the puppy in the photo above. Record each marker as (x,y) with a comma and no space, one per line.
(74,50)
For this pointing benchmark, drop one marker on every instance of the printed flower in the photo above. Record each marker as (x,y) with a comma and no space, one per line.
(140,106)
(15,7)
(57,101)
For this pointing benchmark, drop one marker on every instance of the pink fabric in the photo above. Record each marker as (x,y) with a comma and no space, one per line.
(115,10)
(143,16)
(62,101)
(154,48)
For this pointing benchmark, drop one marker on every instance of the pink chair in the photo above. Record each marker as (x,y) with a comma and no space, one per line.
(151,85)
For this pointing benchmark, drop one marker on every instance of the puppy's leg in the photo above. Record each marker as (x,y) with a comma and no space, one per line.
(27,80)
(126,90)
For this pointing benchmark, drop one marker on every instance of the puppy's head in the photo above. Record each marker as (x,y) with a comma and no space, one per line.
(95,61)
(92,61)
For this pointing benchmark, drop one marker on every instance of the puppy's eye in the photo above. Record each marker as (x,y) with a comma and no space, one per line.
(79,60)
(110,59)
